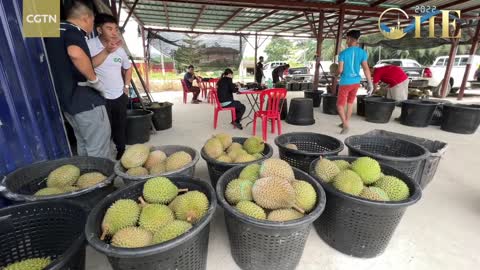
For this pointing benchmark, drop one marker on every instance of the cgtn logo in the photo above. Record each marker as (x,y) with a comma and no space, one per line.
(448,17)
(39,18)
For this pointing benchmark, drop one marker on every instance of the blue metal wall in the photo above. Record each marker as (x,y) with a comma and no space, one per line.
(31,127)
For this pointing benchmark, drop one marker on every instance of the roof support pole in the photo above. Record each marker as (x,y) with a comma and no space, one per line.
(451,60)
(318,53)
(113,8)
(256,49)
(146,59)
(129,14)
(338,44)
(473,50)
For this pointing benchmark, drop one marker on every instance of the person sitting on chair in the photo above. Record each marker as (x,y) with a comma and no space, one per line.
(225,90)
(277,73)
(189,77)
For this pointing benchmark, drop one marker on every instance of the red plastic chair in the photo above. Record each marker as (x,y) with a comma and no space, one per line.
(271,112)
(204,86)
(212,87)
(185,91)
(218,108)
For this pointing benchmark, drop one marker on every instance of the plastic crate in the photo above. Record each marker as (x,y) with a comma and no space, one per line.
(262,244)
(186,252)
(360,227)
(51,228)
(21,184)
(310,147)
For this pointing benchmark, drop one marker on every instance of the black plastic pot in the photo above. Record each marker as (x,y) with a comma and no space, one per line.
(461,118)
(417,113)
(359,227)
(361,105)
(301,112)
(162,115)
(315,95)
(378,109)
(330,104)
(438,114)
(266,245)
(139,123)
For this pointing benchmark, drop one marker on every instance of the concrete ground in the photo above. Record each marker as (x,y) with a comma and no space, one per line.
(439,232)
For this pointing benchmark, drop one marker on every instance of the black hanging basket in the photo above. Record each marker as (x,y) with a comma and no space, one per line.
(417,113)
(20,185)
(359,227)
(162,115)
(217,168)
(51,228)
(330,104)
(267,245)
(378,109)
(461,118)
(139,123)
(310,147)
(405,156)
(186,252)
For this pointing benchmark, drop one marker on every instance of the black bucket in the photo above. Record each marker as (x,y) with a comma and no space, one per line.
(301,112)
(330,104)
(361,105)
(315,95)
(378,109)
(438,114)
(139,123)
(417,113)
(461,118)
(162,115)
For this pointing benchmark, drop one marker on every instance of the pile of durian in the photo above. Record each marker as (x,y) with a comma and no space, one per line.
(139,161)
(222,148)
(269,191)
(161,214)
(362,178)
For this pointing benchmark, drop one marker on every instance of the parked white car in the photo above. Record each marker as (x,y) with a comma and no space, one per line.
(268,67)
(436,72)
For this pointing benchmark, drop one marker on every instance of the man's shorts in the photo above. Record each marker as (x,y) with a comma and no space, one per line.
(347,94)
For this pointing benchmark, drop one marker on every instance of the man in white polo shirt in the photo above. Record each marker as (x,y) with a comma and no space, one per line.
(114,69)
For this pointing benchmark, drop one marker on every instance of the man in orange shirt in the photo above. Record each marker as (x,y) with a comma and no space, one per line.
(396,79)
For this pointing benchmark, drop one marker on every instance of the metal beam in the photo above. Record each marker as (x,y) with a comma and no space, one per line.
(318,53)
(280,23)
(473,50)
(339,2)
(376,3)
(311,22)
(186,31)
(453,3)
(471,9)
(132,9)
(234,14)
(338,42)
(199,16)
(407,6)
(257,20)
(165,10)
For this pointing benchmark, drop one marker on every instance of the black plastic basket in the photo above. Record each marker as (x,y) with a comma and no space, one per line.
(379,110)
(438,114)
(139,123)
(44,229)
(162,115)
(310,146)
(436,150)
(20,185)
(359,227)
(187,170)
(329,105)
(186,252)
(461,118)
(361,105)
(257,244)
(217,168)
(408,157)
(417,113)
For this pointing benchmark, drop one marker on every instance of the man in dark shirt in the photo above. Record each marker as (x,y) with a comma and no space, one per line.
(79,90)
(277,73)
(189,77)
(259,71)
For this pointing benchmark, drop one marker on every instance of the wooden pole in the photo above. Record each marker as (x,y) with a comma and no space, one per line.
(473,50)
(318,53)
(338,44)
(451,60)
(255,61)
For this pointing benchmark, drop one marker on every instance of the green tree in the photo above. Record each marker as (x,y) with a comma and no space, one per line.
(189,54)
(279,49)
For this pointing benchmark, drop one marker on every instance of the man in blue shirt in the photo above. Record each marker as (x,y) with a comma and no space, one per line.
(349,62)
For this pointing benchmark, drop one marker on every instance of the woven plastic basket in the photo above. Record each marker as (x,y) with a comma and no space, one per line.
(51,228)
(310,147)
(258,244)
(20,185)
(187,170)
(360,227)
(186,252)
(408,157)
(217,168)
(436,150)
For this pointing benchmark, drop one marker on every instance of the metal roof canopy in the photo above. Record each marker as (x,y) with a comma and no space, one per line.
(275,17)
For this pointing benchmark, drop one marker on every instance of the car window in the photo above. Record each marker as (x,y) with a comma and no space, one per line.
(409,64)
(440,62)
(463,61)
(395,63)
(457,61)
